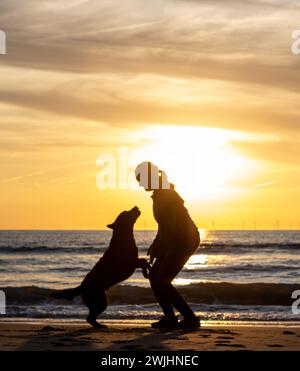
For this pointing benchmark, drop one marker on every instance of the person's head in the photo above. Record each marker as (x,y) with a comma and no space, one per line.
(150,177)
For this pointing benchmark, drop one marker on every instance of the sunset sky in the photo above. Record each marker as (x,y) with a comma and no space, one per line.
(208,90)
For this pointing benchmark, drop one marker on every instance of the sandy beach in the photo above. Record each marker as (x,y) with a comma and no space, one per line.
(29,337)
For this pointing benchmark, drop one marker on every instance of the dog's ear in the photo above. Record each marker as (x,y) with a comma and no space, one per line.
(111,226)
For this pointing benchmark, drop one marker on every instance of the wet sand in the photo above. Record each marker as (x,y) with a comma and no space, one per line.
(27,337)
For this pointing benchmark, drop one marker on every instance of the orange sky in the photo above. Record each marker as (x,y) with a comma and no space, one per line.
(207,90)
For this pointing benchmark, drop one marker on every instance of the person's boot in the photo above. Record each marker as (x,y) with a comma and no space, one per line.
(189,323)
(94,323)
(165,323)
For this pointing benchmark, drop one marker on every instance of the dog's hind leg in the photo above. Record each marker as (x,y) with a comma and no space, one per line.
(96,306)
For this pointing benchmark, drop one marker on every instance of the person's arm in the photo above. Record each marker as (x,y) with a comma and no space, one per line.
(153,247)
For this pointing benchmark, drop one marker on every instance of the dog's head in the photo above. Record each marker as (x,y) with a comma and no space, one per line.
(126,219)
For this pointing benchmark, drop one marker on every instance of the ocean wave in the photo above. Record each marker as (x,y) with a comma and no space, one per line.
(230,245)
(250,268)
(100,247)
(220,313)
(205,293)
(50,249)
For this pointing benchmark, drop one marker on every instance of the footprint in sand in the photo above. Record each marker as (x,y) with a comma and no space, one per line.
(275,345)
(178,338)
(230,345)
(85,339)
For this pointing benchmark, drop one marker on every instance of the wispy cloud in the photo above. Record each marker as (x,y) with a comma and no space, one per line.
(45,171)
(266,184)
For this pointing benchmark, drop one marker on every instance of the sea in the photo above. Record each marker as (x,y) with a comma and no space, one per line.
(235,277)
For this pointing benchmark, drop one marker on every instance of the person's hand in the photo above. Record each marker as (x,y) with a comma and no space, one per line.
(146,267)
(151,259)
(150,253)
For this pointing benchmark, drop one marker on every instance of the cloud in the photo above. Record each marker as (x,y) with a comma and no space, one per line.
(247,43)
(130,112)
(47,170)
(181,62)
(266,184)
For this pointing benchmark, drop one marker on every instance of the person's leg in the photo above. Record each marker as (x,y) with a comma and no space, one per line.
(160,289)
(161,276)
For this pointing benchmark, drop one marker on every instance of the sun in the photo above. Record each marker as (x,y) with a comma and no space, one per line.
(200,161)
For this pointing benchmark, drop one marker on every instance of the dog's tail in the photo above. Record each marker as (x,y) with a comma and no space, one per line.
(68,294)
(143,263)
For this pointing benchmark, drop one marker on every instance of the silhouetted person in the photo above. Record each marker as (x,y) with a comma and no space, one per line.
(177,239)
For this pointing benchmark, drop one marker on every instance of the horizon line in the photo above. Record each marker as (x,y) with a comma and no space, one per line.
(144,230)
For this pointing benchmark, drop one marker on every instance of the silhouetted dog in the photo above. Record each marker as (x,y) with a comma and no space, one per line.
(117,264)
